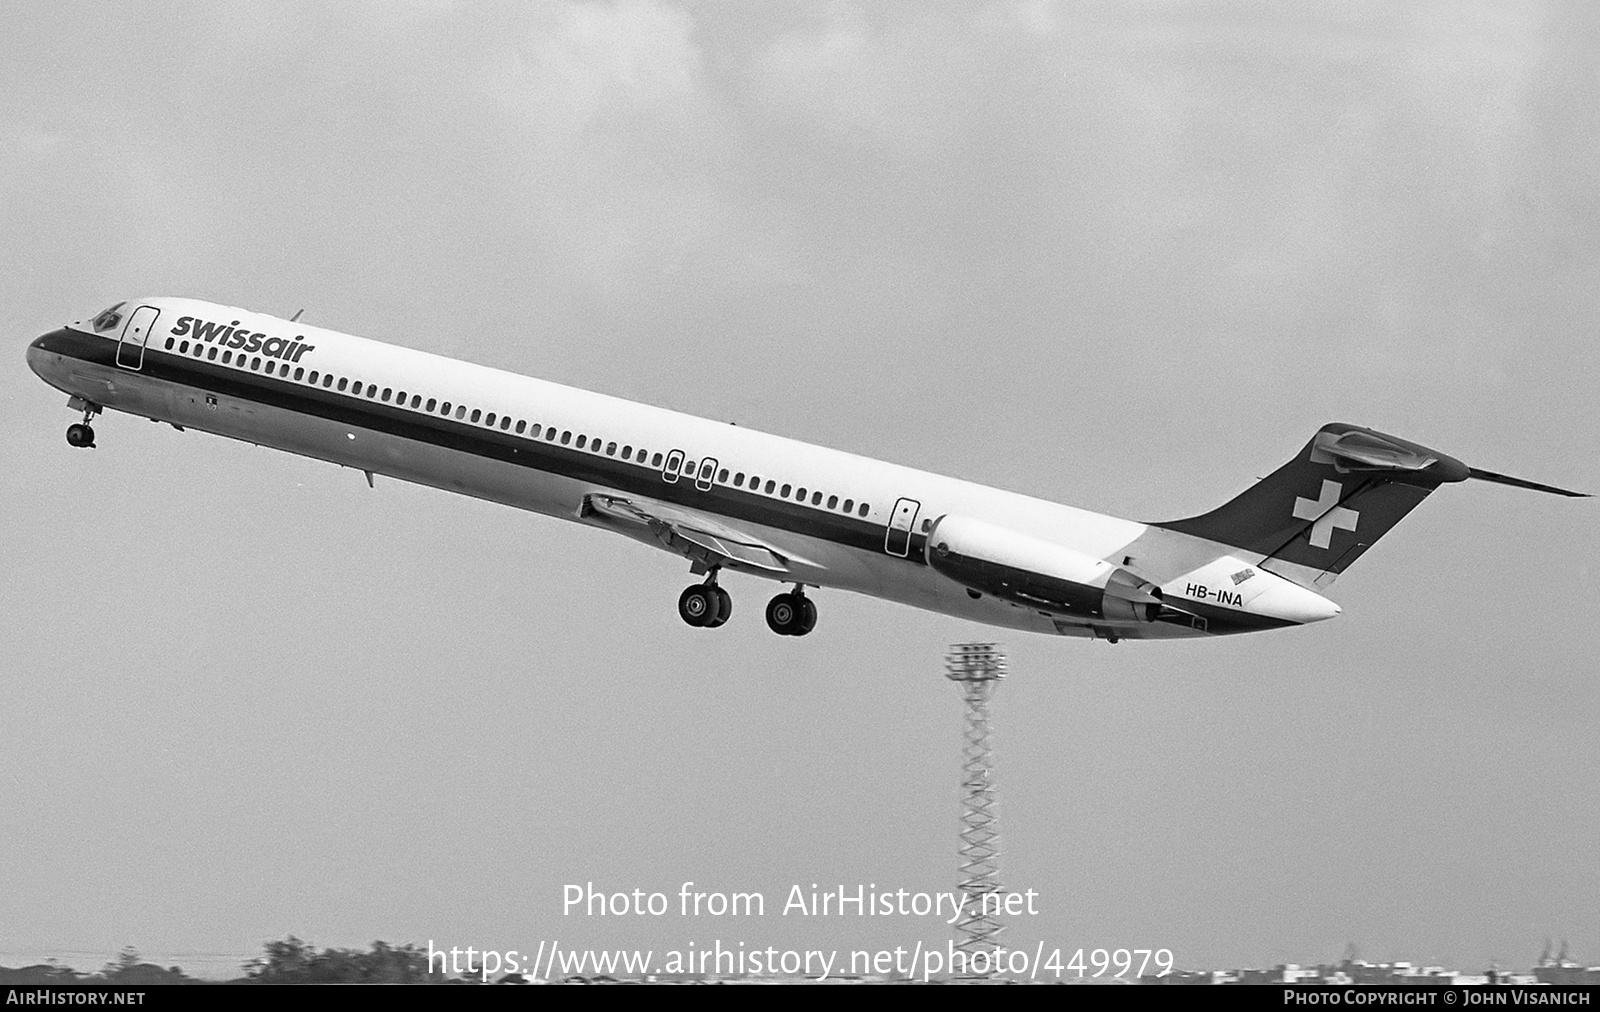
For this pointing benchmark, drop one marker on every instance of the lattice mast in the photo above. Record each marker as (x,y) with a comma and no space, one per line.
(977,668)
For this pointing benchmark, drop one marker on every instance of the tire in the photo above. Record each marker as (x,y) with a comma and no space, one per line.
(80,434)
(808,617)
(782,614)
(698,605)
(724,608)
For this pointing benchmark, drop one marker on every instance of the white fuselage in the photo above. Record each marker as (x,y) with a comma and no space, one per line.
(544,447)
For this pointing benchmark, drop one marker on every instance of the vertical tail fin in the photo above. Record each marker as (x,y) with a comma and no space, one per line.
(1315,516)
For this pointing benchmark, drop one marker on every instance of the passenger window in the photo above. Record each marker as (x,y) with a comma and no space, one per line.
(416,399)
(387,391)
(343,383)
(255,363)
(800,495)
(769,487)
(461,411)
(489,419)
(864,508)
(400,398)
(314,376)
(299,374)
(849,505)
(431,404)
(738,480)
(505,422)
(283,370)
(199,350)
(816,498)
(210,353)
(566,436)
(722,476)
(926,525)
(785,492)
(627,453)
(372,389)
(227,358)
(444,408)
(522,423)
(581,440)
(833,502)
(643,453)
(550,435)
(611,449)
(654,461)
(476,414)
(185,346)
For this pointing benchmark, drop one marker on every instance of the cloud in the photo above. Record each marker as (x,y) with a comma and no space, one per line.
(587,63)
(908,87)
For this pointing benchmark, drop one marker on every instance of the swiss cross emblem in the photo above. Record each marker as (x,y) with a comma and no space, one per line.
(1326,513)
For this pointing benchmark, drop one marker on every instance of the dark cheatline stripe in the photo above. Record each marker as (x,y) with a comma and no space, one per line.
(481,441)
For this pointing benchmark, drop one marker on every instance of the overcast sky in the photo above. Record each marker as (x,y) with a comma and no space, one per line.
(1127,256)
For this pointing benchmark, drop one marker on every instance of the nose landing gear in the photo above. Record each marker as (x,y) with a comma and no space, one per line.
(82,433)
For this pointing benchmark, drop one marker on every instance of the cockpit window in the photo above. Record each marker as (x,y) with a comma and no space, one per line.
(109,318)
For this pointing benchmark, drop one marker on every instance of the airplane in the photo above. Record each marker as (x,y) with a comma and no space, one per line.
(728,498)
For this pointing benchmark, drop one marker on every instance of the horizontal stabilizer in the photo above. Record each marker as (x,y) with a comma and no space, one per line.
(1506,479)
(1314,516)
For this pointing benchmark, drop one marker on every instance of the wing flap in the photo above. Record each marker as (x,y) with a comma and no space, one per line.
(672,525)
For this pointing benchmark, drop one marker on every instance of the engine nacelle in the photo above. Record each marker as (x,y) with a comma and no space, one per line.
(1039,574)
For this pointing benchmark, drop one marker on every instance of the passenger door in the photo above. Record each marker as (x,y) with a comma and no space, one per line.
(130,350)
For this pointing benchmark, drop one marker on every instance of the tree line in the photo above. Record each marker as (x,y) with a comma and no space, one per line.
(291,961)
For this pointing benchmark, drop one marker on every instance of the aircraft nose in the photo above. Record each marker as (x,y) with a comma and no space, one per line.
(36,354)
(44,356)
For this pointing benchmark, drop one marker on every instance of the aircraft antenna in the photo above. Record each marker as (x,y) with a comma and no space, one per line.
(977,668)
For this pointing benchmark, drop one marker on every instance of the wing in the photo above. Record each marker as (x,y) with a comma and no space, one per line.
(688,532)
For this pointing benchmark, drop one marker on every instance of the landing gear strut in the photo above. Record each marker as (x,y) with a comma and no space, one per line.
(82,433)
(791,614)
(705,605)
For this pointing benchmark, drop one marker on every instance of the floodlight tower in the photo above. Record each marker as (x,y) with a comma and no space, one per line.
(978,668)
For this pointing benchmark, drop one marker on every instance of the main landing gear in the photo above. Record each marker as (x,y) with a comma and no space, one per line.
(707,606)
(82,433)
(791,614)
